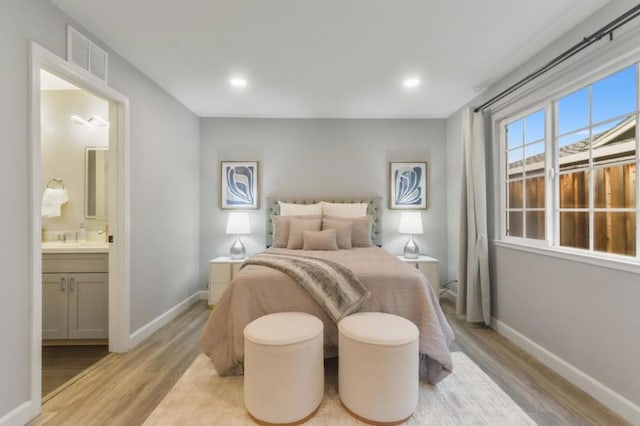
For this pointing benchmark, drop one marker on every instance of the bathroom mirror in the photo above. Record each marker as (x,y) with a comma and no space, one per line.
(95,182)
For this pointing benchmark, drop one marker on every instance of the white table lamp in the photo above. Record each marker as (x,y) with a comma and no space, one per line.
(238,224)
(411,223)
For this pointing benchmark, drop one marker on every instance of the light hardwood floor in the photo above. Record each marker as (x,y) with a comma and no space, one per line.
(62,363)
(544,395)
(124,388)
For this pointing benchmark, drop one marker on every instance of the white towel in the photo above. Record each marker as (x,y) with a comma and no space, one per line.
(52,201)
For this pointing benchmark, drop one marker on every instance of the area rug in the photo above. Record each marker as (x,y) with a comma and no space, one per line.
(467,397)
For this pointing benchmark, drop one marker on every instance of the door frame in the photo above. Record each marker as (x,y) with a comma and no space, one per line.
(118,195)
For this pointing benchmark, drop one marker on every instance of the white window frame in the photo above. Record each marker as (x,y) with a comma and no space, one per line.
(503,178)
(591,209)
(550,245)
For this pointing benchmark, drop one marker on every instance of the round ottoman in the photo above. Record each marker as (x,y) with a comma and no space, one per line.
(378,367)
(283,368)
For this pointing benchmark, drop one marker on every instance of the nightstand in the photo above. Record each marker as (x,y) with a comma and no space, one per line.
(428,266)
(221,271)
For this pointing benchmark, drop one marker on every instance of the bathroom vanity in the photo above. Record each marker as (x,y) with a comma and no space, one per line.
(75,290)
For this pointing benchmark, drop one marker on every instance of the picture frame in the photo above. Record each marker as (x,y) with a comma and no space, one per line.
(408,186)
(239,188)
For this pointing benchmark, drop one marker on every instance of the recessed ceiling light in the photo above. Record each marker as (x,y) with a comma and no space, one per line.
(411,82)
(238,82)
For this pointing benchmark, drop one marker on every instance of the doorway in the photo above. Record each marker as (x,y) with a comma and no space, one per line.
(74,144)
(103,207)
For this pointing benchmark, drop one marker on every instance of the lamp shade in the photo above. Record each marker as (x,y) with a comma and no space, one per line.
(238,223)
(410,223)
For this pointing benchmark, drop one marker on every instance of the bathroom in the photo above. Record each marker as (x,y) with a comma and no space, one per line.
(75,231)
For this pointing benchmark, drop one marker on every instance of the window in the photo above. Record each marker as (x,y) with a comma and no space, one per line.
(526,177)
(593,174)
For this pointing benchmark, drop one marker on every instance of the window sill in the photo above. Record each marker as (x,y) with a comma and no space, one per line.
(619,264)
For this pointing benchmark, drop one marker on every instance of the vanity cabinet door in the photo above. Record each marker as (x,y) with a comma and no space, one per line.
(54,306)
(88,306)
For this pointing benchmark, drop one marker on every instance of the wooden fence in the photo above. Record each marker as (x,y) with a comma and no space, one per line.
(614,187)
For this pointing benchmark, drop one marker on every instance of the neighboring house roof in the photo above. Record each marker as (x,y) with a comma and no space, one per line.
(615,144)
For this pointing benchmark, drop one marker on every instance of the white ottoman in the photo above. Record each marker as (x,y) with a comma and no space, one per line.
(378,367)
(283,368)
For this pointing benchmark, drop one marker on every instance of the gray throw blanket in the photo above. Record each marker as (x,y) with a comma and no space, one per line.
(332,286)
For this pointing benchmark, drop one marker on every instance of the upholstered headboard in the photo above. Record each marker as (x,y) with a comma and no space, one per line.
(374,209)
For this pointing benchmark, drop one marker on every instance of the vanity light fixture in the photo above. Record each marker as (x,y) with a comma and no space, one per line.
(238,224)
(238,82)
(79,120)
(411,82)
(411,223)
(97,121)
(94,120)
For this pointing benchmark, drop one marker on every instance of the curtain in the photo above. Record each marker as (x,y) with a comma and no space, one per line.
(474,292)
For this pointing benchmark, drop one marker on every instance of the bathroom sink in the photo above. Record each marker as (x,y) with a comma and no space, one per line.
(75,247)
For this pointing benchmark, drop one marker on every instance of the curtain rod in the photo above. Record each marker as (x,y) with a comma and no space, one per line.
(586,42)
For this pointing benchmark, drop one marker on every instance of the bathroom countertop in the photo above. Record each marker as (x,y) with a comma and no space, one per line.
(74,247)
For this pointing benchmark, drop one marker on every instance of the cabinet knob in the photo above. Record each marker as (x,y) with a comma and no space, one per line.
(71,288)
(62,280)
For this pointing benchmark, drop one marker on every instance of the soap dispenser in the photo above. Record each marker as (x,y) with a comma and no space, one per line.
(82,233)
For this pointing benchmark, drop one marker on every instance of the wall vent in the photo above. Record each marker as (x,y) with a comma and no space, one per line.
(87,55)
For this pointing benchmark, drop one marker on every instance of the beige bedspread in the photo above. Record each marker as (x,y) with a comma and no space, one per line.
(395,287)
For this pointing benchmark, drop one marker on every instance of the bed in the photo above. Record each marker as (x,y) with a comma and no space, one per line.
(395,287)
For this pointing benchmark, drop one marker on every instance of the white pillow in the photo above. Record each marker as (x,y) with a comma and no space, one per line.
(344,209)
(291,209)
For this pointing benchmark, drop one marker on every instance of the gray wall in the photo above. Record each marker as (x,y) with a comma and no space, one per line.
(165,196)
(454,182)
(585,314)
(322,157)
(164,189)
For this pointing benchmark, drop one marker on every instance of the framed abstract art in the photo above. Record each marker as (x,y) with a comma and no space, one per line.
(239,184)
(408,186)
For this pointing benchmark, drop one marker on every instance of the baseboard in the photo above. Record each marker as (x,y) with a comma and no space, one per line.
(154,325)
(203,295)
(75,342)
(19,415)
(616,402)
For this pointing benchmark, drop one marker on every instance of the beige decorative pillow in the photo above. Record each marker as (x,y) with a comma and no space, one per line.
(320,240)
(343,231)
(297,227)
(360,229)
(281,228)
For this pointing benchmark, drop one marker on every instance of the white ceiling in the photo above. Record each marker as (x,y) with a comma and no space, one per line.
(327,58)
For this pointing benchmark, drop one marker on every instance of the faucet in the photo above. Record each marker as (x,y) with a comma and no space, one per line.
(105,231)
